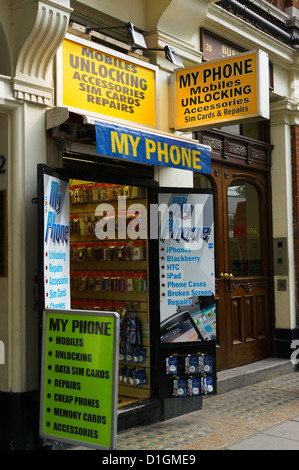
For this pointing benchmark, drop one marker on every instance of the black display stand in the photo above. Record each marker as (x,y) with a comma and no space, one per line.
(179,400)
(177,358)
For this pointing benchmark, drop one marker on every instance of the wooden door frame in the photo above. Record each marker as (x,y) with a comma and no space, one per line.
(249,290)
(250,155)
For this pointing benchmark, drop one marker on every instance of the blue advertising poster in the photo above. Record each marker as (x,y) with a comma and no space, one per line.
(56,243)
(151,148)
(186,263)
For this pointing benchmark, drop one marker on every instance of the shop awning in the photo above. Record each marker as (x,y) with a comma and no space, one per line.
(150,147)
(140,145)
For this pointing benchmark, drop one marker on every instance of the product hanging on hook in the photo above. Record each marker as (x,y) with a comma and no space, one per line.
(133,327)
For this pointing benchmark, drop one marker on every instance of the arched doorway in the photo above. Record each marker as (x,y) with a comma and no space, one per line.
(242,248)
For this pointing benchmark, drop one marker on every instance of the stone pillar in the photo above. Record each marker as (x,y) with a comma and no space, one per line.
(283,117)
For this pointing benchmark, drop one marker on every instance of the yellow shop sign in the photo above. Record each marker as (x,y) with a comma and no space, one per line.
(98,81)
(221,92)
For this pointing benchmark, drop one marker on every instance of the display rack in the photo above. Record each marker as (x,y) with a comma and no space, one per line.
(190,374)
(112,275)
(187,370)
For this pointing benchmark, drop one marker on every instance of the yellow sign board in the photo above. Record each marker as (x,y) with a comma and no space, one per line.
(221,92)
(99,81)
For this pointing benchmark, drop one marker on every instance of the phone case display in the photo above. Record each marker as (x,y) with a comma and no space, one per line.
(112,275)
(107,251)
(101,192)
(108,281)
(190,375)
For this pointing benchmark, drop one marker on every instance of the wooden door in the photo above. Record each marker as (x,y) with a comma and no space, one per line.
(241,265)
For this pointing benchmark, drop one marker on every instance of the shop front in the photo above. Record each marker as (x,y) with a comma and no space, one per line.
(115,264)
(52,102)
(133,247)
(166,278)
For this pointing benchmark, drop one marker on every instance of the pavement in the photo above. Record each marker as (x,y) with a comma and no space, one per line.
(258,416)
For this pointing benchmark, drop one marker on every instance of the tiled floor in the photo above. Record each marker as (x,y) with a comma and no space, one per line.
(166,438)
(224,419)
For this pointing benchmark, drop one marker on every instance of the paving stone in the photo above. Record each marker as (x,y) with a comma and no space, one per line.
(258,416)
(265,442)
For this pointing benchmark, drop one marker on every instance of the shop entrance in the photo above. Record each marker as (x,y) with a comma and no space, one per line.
(242,271)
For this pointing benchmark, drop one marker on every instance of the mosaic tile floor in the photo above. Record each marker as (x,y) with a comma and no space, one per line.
(223,420)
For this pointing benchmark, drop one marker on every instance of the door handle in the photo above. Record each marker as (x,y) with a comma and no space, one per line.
(226,276)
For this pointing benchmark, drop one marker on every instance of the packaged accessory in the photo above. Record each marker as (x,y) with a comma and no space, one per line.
(207,364)
(141,355)
(193,386)
(191,365)
(171,365)
(140,378)
(182,388)
(207,385)
(133,335)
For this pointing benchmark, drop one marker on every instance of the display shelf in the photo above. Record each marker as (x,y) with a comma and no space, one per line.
(110,274)
(187,369)
(136,265)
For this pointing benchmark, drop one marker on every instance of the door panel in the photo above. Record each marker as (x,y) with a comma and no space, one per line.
(241,266)
(248,340)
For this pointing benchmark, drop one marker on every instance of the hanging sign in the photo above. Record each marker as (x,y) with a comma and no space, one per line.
(152,148)
(217,93)
(186,261)
(99,81)
(79,377)
(56,244)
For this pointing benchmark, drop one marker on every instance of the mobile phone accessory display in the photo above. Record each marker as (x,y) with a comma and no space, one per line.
(190,375)
(112,274)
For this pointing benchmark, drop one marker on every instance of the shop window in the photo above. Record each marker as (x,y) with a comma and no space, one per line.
(244,230)
(109,271)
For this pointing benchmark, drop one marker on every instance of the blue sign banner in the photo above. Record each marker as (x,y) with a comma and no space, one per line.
(151,148)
